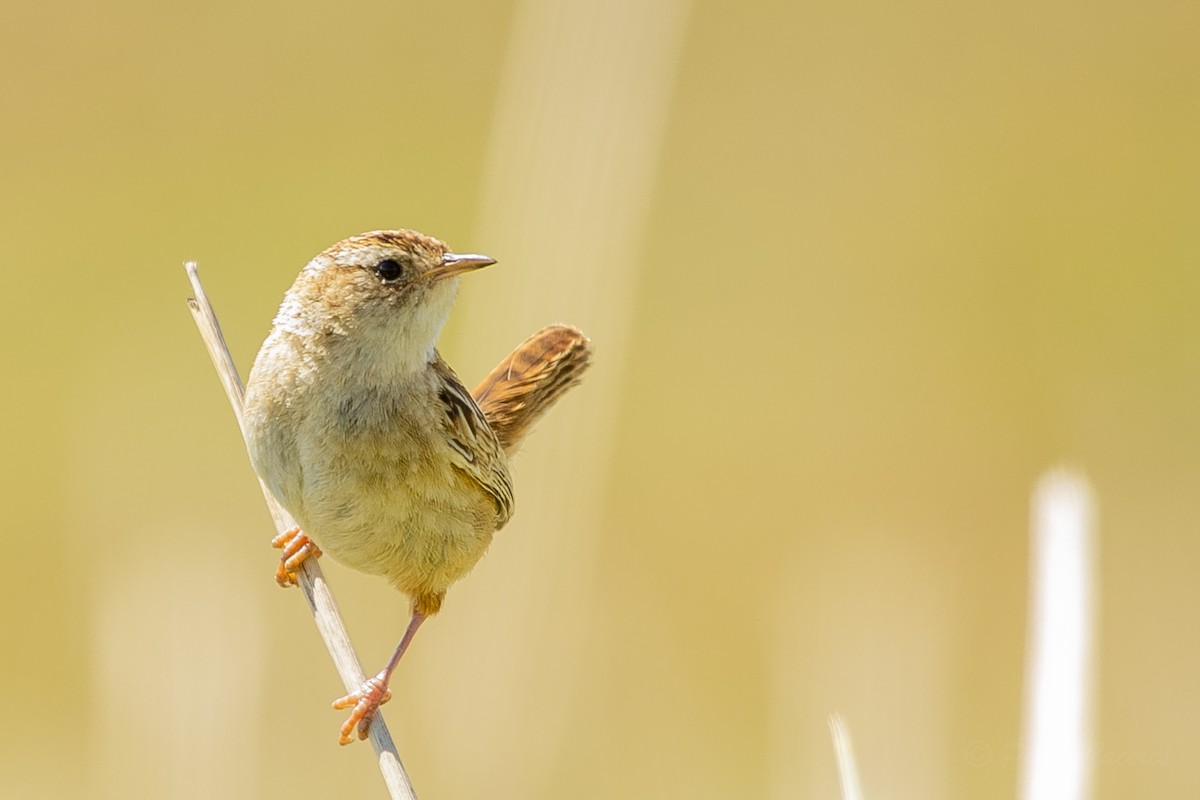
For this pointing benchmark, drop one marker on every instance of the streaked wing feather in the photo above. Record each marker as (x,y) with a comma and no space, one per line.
(474,446)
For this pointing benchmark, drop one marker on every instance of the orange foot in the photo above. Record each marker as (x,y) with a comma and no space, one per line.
(297,548)
(366,701)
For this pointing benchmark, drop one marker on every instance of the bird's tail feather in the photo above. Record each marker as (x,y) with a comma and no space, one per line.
(530,379)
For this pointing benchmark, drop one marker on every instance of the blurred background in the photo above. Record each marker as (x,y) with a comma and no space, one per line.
(856,275)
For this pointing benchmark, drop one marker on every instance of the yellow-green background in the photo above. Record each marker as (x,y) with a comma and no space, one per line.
(896,260)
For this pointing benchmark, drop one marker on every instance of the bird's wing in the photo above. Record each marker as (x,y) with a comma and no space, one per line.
(524,385)
(474,447)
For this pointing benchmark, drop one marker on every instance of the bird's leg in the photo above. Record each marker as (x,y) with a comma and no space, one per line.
(297,548)
(375,692)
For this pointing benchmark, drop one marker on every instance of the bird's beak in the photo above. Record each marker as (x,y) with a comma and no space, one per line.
(457,263)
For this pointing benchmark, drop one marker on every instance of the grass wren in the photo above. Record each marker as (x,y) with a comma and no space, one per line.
(370,440)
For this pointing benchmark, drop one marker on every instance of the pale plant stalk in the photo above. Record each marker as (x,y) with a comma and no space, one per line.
(1056,743)
(310,577)
(847,766)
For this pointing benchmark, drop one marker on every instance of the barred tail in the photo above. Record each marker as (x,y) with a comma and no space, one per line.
(524,385)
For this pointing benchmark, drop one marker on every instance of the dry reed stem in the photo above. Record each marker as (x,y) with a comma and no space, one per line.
(844,751)
(1056,755)
(310,578)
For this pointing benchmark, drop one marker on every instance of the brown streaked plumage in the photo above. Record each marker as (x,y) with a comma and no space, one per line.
(524,385)
(370,440)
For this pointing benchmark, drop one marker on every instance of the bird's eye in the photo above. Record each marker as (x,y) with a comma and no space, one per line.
(389,270)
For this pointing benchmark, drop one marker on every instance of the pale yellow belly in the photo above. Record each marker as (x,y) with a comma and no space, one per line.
(421,526)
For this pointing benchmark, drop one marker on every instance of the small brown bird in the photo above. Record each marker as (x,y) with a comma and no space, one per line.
(368,438)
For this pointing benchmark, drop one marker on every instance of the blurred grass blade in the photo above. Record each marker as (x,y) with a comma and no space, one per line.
(844,750)
(1057,738)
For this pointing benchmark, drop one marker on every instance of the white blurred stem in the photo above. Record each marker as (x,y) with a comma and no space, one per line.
(573,157)
(310,578)
(1057,738)
(844,750)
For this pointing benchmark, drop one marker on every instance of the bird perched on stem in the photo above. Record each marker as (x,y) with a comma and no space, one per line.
(370,440)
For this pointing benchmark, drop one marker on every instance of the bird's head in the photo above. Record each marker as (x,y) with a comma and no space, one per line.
(385,293)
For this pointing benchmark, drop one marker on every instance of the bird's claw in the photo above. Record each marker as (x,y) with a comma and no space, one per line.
(297,548)
(365,702)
